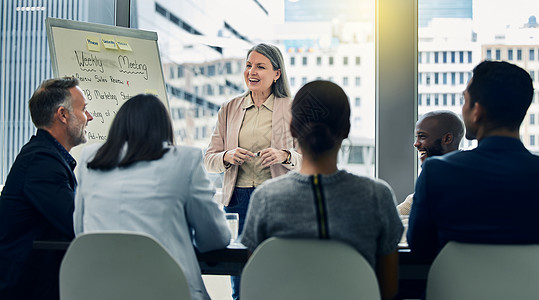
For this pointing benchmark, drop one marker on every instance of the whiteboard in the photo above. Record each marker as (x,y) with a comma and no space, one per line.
(112,65)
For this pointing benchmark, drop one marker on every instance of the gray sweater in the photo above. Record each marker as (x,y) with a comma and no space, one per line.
(360,211)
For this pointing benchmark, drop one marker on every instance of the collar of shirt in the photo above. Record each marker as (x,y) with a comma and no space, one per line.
(248,102)
(500,143)
(69,159)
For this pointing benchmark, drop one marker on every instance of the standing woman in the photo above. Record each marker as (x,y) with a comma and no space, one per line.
(252,141)
(139,181)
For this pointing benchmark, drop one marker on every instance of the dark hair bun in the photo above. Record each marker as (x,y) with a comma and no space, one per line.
(320,117)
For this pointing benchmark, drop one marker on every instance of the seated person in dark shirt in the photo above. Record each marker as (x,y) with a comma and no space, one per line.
(436,133)
(488,194)
(38,197)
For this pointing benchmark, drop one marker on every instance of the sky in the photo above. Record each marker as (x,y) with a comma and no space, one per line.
(500,13)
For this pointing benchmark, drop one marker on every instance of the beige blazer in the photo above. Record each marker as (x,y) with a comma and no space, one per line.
(225,137)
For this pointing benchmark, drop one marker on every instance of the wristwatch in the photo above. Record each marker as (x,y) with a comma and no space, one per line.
(288,159)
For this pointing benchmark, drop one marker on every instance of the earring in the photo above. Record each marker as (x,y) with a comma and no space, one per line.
(274,80)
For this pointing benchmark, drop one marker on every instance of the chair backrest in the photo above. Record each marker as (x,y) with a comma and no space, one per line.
(480,271)
(120,265)
(307,269)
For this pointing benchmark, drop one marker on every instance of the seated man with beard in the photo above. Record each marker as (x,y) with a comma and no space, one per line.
(437,133)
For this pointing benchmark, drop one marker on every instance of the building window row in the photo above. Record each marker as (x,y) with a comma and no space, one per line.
(330,60)
(345,80)
(445,57)
(443,99)
(211,70)
(514,54)
(443,78)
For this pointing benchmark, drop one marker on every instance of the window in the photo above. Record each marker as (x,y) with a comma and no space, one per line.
(180,71)
(444,101)
(519,54)
(358,102)
(461,57)
(419,57)
(292,60)
(358,81)
(171,72)
(532,75)
(428,100)
(331,60)
(532,54)
(427,78)
(436,78)
(489,54)
(292,80)
(436,57)
(436,103)
(532,119)
(444,57)
(498,54)
(356,155)
(209,90)
(318,60)
(304,60)
(211,70)
(427,57)
(345,60)
(532,140)
(452,57)
(453,81)
(509,54)
(303,80)
(469,57)
(461,77)
(420,78)
(444,78)
(358,60)
(345,81)
(453,100)
(419,98)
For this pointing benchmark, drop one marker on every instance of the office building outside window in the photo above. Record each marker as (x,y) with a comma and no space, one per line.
(25,62)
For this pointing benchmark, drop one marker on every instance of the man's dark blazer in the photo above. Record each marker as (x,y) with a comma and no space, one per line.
(36,204)
(486,195)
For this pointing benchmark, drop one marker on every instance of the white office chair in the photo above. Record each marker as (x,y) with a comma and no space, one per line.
(307,269)
(120,265)
(473,271)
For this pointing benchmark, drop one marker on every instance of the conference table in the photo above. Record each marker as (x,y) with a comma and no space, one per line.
(413,270)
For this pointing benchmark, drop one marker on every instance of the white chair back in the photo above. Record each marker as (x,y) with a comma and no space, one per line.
(118,266)
(291,269)
(479,271)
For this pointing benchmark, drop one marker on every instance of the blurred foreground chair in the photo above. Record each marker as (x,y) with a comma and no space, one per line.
(481,271)
(120,265)
(292,269)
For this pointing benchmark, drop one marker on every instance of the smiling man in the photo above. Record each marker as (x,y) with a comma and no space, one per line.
(437,133)
(38,198)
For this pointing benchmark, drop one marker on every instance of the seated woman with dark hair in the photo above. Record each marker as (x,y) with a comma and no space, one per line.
(357,210)
(139,181)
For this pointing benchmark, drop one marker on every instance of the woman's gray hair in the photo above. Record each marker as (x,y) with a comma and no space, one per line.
(281,88)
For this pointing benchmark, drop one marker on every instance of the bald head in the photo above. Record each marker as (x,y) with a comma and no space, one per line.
(437,133)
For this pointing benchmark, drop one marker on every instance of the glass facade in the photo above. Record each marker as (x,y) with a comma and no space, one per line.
(25,61)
